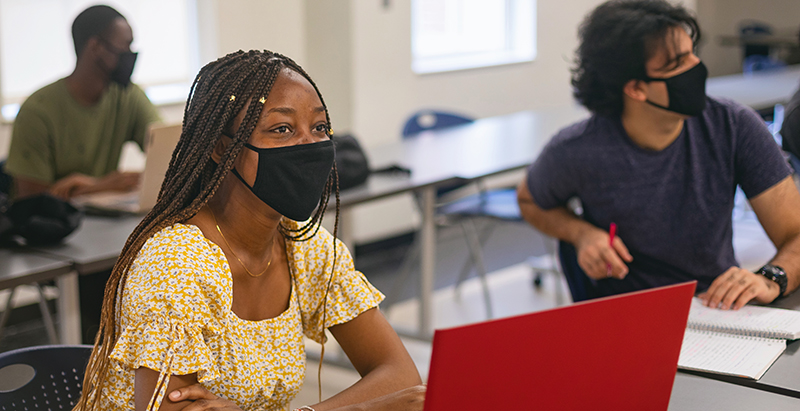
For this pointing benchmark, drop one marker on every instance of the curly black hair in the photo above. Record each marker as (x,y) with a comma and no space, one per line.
(616,40)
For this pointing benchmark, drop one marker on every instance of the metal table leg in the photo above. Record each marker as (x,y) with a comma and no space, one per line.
(69,310)
(346,228)
(427,262)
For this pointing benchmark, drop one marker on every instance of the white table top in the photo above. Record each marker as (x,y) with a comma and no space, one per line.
(20,266)
(760,90)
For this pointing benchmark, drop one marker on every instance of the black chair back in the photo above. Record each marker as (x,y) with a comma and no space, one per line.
(43,377)
(5,179)
(580,285)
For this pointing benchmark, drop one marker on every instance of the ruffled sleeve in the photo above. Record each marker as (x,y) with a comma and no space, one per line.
(170,310)
(349,293)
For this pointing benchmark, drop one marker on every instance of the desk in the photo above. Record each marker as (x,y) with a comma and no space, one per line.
(691,392)
(465,153)
(20,267)
(94,247)
(760,90)
(24,267)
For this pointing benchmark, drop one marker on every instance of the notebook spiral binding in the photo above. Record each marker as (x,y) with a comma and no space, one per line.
(730,329)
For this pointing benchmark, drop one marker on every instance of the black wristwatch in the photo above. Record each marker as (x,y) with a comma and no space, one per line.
(776,274)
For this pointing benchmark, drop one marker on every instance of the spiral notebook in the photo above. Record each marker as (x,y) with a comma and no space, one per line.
(742,343)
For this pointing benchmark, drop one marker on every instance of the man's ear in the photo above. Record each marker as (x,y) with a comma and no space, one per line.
(219,148)
(635,89)
(91,47)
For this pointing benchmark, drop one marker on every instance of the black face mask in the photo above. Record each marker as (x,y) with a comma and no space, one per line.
(291,179)
(122,73)
(687,91)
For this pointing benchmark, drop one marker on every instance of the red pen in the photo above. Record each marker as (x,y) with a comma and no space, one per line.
(612,231)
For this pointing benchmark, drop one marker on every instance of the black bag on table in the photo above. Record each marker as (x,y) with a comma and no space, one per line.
(40,220)
(351,162)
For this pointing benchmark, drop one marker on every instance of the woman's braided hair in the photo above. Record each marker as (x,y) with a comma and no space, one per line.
(220,91)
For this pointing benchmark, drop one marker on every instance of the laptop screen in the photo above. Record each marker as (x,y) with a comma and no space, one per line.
(618,353)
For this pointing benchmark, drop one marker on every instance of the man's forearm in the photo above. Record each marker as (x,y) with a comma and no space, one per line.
(557,222)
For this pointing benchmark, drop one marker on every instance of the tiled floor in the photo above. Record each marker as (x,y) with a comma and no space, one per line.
(510,282)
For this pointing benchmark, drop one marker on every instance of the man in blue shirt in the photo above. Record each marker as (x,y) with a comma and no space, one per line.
(662,161)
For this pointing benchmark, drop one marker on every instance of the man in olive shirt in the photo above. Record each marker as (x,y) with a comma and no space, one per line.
(68,136)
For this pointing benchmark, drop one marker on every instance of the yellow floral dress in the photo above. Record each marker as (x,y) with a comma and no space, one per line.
(174,316)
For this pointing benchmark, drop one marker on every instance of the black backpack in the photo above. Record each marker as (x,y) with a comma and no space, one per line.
(351,162)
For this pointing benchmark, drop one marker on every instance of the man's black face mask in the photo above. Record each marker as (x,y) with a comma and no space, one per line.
(687,91)
(126,60)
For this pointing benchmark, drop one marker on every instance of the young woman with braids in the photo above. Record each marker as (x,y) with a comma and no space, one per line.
(214,290)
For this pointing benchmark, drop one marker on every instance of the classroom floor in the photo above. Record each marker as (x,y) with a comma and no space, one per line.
(507,253)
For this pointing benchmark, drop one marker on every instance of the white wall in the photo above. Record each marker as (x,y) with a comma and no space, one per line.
(256,24)
(329,57)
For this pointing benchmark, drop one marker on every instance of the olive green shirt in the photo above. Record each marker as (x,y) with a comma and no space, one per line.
(54,136)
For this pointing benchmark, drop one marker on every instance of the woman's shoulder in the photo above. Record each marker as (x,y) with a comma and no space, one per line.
(320,246)
(182,244)
(179,261)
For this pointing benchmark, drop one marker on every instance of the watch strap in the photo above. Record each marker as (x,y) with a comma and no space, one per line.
(776,274)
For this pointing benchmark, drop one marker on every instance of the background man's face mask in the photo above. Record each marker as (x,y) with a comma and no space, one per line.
(126,60)
(687,91)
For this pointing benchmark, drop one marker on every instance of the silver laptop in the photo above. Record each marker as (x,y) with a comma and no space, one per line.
(158,151)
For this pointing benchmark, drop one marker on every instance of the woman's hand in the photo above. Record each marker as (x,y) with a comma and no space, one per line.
(409,399)
(202,399)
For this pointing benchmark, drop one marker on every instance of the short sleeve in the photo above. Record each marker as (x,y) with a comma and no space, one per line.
(169,309)
(758,161)
(31,152)
(551,179)
(348,293)
(144,113)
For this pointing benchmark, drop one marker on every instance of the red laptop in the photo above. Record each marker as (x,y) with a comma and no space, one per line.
(617,353)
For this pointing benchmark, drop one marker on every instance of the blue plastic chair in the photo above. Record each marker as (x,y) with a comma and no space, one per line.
(759,62)
(47,377)
(425,120)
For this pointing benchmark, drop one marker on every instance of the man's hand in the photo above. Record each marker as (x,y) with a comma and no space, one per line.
(116,181)
(595,255)
(736,287)
(80,184)
(202,399)
(72,185)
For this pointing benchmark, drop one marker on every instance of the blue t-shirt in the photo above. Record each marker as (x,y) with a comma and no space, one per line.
(672,207)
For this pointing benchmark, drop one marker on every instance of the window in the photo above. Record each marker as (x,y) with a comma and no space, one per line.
(460,34)
(36,46)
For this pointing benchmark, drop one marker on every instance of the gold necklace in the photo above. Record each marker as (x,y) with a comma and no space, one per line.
(231,248)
